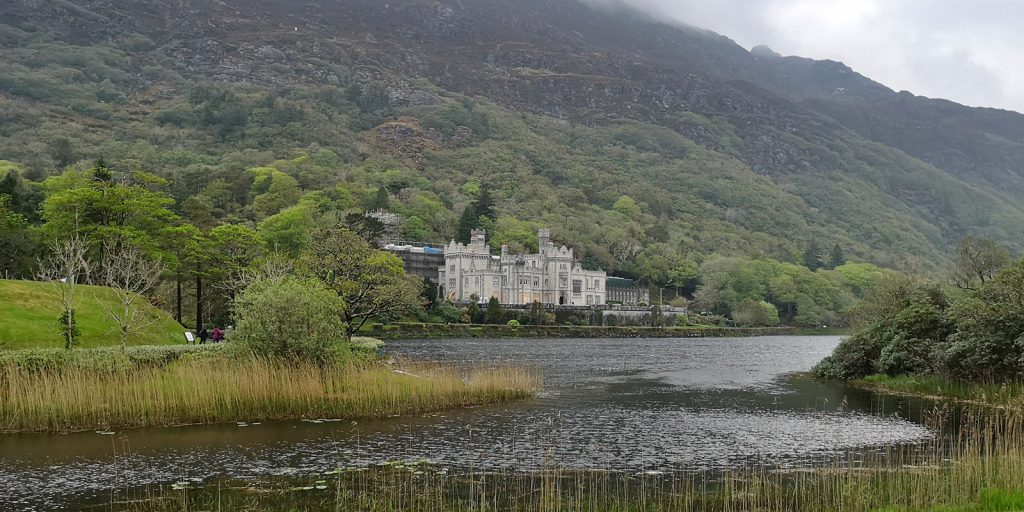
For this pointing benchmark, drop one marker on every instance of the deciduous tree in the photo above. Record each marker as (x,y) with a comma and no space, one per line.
(978,259)
(130,273)
(369,282)
(63,266)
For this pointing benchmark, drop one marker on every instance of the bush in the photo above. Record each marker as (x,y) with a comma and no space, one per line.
(751,312)
(513,323)
(290,319)
(854,358)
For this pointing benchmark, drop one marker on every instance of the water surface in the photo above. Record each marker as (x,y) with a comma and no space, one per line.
(631,405)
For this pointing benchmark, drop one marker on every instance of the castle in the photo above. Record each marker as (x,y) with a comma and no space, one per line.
(551,276)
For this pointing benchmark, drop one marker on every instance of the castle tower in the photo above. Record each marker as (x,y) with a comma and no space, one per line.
(544,239)
(478,237)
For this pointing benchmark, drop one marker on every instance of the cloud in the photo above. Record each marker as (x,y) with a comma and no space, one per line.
(963,51)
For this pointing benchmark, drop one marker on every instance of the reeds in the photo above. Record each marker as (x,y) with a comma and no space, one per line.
(248,389)
(979,462)
(1004,394)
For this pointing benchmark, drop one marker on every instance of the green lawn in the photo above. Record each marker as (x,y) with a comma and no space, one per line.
(29,313)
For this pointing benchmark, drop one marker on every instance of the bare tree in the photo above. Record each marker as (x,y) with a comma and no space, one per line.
(274,267)
(978,259)
(130,273)
(62,266)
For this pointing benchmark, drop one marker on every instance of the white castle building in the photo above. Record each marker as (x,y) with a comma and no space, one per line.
(552,276)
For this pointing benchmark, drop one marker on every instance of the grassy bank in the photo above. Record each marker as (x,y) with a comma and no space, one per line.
(1003,394)
(977,468)
(91,391)
(409,330)
(29,314)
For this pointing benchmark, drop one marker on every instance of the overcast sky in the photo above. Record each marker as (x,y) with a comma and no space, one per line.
(969,51)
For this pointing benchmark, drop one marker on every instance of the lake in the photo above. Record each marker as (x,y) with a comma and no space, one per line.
(627,405)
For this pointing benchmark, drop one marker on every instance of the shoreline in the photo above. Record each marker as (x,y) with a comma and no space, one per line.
(1001,396)
(413,331)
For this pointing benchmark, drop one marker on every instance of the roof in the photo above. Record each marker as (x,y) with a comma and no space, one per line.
(620,282)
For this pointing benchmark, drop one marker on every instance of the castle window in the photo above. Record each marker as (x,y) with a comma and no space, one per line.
(597,284)
(577,286)
(452,283)
(497,282)
(536,282)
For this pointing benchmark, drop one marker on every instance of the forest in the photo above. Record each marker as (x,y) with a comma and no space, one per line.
(210,175)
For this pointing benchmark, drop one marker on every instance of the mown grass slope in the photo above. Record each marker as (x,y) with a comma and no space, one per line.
(29,312)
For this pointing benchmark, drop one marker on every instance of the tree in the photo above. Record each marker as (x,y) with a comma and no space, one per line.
(368,228)
(812,256)
(475,214)
(219,108)
(288,230)
(369,282)
(485,204)
(229,253)
(290,318)
(273,191)
(184,248)
(94,206)
(978,259)
(837,257)
(468,221)
(63,266)
(17,245)
(750,312)
(381,200)
(130,273)
(626,206)
(493,314)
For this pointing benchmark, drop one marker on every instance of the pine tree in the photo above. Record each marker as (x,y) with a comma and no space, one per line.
(812,256)
(381,201)
(467,223)
(836,258)
(485,204)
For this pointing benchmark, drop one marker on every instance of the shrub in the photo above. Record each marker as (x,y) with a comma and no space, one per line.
(854,357)
(513,323)
(751,312)
(289,318)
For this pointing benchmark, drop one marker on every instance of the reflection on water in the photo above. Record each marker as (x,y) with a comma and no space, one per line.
(623,404)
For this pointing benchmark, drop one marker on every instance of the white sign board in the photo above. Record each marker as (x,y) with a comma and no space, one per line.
(189,338)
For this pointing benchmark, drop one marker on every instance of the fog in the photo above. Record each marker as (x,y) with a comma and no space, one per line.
(964,51)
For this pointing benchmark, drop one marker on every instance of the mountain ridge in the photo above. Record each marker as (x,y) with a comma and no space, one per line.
(888,174)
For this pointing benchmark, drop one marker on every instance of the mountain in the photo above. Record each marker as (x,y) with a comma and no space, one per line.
(561,108)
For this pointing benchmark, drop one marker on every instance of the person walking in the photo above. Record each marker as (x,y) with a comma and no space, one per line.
(203,335)
(218,335)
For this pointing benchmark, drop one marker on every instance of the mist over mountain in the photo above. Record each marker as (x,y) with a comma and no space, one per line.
(561,108)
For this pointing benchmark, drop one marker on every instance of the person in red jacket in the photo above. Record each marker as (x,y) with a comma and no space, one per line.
(218,335)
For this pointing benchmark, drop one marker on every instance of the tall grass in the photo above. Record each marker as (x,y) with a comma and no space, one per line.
(977,466)
(210,390)
(1007,394)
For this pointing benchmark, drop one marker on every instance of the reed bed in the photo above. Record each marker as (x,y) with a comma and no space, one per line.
(248,389)
(1003,394)
(977,466)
